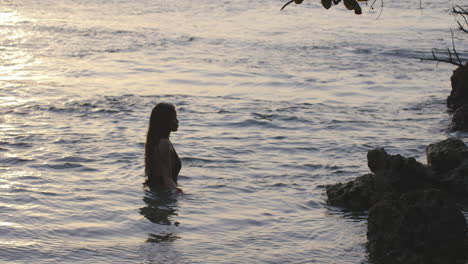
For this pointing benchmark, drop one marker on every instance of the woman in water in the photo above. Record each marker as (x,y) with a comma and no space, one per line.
(162,164)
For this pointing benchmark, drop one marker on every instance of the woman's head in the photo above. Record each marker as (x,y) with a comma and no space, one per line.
(163,120)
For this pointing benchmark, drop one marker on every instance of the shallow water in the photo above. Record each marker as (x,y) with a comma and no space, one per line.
(272,107)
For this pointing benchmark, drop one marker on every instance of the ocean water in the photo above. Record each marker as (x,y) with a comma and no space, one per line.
(273,106)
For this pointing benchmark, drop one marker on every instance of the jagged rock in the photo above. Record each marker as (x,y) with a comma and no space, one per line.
(459,94)
(396,173)
(456,180)
(420,227)
(460,119)
(356,195)
(446,154)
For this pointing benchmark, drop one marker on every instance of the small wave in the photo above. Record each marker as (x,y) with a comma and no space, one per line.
(268,117)
(16,145)
(255,122)
(280,184)
(68,141)
(73,159)
(197,82)
(308,167)
(406,53)
(65,166)
(14,161)
(216,186)
(192,160)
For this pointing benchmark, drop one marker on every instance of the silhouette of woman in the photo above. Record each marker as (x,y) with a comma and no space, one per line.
(162,164)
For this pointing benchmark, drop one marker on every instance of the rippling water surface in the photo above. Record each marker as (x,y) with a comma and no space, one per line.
(273,106)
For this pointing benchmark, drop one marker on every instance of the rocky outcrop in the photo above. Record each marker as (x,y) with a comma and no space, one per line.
(446,155)
(395,173)
(447,170)
(457,101)
(456,181)
(356,195)
(391,173)
(459,94)
(420,227)
(449,160)
(460,119)
(414,216)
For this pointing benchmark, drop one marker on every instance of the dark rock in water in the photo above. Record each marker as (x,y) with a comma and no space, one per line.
(460,119)
(355,195)
(446,154)
(459,94)
(420,227)
(376,159)
(397,173)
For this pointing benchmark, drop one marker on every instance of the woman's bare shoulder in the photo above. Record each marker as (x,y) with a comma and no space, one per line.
(164,145)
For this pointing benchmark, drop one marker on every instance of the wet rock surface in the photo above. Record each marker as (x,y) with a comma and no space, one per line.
(414,209)
(395,173)
(356,195)
(459,94)
(391,173)
(446,154)
(417,227)
(447,170)
(460,119)
(457,101)
(456,181)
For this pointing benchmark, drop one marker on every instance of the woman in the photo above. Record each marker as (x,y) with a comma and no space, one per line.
(162,164)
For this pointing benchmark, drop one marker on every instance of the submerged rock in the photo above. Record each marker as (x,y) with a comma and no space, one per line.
(446,154)
(459,94)
(355,195)
(395,173)
(460,119)
(420,227)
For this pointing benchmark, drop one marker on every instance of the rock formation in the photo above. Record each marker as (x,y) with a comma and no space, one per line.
(356,195)
(457,101)
(420,227)
(414,214)
(446,155)
(459,94)
(460,119)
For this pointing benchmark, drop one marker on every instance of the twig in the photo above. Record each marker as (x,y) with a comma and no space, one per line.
(448,60)
(458,10)
(381,7)
(285,5)
(438,60)
(454,50)
(460,27)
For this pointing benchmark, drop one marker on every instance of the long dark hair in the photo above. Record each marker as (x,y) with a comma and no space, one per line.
(159,127)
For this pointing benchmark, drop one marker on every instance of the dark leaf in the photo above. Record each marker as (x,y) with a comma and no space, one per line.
(358,10)
(327,4)
(350,4)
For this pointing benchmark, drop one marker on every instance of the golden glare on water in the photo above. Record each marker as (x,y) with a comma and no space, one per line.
(14,57)
(8,18)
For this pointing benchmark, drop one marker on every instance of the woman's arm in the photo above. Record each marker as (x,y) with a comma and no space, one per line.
(166,164)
